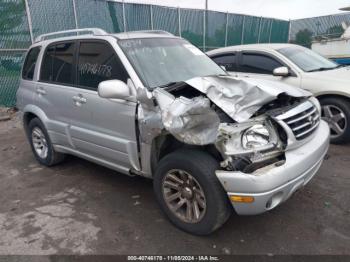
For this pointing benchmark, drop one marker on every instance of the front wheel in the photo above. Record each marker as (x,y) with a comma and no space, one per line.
(189,193)
(336,112)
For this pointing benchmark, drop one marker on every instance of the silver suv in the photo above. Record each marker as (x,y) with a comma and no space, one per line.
(151,104)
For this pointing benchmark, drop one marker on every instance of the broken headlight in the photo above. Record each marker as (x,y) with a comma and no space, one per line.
(249,137)
(255,137)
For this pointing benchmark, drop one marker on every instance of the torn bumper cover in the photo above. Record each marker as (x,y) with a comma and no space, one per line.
(272,185)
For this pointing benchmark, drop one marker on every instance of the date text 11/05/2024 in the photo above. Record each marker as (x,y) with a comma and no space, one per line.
(173,258)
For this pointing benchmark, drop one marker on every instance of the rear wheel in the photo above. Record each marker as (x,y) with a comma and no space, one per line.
(189,193)
(41,144)
(336,112)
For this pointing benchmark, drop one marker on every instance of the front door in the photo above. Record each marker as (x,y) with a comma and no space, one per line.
(99,127)
(261,65)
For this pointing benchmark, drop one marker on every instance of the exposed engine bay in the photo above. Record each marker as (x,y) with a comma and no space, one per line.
(236,116)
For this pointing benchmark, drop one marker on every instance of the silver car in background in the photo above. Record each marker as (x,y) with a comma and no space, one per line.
(298,66)
(151,104)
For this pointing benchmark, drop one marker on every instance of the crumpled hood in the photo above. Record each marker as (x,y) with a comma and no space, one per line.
(194,121)
(240,98)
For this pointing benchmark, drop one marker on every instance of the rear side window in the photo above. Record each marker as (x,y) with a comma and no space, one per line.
(30,62)
(58,64)
(97,62)
(46,65)
(257,63)
(228,61)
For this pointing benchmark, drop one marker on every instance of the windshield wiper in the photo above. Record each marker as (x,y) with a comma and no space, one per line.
(321,69)
(169,84)
(218,75)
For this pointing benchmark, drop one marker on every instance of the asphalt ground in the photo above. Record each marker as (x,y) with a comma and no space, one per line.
(79,207)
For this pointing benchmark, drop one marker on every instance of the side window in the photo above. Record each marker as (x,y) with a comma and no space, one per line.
(30,62)
(63,63)
(228,61)
(97,62)
(57,66)
(257,63)
(46,65)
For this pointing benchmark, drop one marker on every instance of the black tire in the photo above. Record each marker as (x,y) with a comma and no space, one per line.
(202,167)
(344,106)
(52,157)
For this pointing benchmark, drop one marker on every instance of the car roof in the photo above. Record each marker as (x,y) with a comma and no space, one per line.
(257,47)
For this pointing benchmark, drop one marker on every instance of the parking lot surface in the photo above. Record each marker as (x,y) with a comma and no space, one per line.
(81,208)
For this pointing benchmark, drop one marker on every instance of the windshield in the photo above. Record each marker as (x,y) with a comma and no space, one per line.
(307,60)
(162,61)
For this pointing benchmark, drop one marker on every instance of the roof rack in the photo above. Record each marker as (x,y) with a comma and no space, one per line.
(160,32)
(93,31)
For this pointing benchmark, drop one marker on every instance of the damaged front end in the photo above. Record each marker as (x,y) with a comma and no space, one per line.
(250,145)
(235,116)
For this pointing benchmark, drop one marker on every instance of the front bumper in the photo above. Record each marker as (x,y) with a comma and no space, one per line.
(272,185)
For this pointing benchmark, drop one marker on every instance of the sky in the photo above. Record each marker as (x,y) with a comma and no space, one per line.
(283,9)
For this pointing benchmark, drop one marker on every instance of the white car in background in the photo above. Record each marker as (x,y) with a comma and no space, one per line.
(298,66)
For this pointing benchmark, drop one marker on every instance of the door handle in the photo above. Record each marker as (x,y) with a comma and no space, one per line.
(79,100)
(40,91)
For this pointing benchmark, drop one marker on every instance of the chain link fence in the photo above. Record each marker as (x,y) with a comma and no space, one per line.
(23,20)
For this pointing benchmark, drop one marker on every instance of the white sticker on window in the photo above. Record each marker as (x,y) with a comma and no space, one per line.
(193,49)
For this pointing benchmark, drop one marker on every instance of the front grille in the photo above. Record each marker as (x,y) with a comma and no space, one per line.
(302,120)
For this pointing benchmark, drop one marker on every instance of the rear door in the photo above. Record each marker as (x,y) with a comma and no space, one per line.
(54,87)
(27,89)
(99,127)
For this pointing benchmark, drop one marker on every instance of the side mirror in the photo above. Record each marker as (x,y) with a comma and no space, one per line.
(113,89)
(281,71)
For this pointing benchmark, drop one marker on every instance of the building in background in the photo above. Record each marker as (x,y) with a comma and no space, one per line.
(337,49)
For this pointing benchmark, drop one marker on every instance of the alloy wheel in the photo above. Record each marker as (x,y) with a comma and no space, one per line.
(184,196)
(39,142)
(335,118)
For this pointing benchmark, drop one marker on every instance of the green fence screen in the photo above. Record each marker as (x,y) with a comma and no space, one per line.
(215,30)
(95,14)
(191,22)
(265,30)
(14,39)
(11,62)
(22,20)
(50,16)
(165,18)
(116,15)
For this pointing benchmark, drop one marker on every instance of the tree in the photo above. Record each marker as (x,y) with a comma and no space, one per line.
(304,38)
(335,31)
